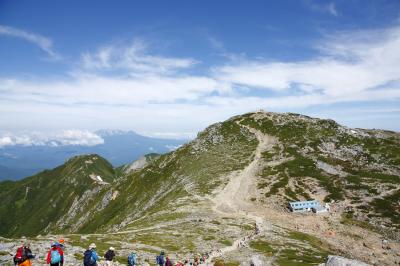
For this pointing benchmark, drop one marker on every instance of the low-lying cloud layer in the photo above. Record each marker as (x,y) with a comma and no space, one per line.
(62,138)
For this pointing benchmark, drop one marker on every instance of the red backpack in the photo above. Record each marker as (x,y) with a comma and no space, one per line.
(20,256)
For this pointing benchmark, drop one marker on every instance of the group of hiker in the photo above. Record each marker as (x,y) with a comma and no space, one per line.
(55,256)
(163,260)
(91,258)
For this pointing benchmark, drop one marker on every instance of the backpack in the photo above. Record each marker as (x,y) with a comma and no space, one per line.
(160,260)
(87,258)
(55,256)
(109,256)
(132,259)
(20,256)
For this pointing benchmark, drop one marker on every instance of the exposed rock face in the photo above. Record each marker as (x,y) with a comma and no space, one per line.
(256,261)
(138,164)
(340,261)
(330,169)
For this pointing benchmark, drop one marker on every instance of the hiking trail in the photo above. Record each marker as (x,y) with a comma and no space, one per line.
(234,198)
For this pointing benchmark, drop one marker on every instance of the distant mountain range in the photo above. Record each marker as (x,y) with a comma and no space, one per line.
(119,147)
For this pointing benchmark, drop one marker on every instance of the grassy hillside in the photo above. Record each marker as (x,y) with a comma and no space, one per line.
(194,169)
(36,203)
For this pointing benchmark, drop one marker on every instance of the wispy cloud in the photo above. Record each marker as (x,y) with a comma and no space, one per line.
(44,43)
(133,58)
(329,8)
(215,43)
(349,67)
(108,91)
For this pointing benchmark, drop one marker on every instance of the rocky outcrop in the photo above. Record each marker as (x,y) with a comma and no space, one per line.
(340,261)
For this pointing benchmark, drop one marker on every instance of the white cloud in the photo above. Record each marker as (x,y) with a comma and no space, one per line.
(61,138)
(43,42)
(348,66)
(96,89)
(78,137)
(149,93)
(6,141)
(133,58)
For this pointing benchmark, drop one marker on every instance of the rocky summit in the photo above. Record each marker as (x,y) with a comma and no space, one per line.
(224,194)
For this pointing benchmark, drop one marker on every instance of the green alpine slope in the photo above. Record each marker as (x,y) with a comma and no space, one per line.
(36,204)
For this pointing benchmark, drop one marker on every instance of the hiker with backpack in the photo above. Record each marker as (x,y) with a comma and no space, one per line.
(168,262)
(132,259)
(24,255)
(55,256)
(160,259)
(109,256)
(90,257)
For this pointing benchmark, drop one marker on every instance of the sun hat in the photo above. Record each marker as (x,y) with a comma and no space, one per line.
(111,248)
(91,246)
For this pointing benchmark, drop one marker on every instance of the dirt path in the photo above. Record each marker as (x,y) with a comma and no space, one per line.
(234,198)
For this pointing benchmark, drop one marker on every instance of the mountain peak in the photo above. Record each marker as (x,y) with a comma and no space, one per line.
(89,165)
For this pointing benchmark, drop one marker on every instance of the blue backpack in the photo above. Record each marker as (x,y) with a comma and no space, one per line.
(132,259)
(87,258)
(55,257)
(160,260)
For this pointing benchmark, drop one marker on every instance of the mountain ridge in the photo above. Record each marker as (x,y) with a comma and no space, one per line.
(242,172)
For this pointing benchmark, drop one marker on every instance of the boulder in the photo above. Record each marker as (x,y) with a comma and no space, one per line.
(340,261)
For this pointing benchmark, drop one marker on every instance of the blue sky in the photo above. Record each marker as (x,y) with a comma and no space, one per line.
(171,68)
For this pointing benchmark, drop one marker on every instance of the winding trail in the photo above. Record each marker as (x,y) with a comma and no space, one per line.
(234,198)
